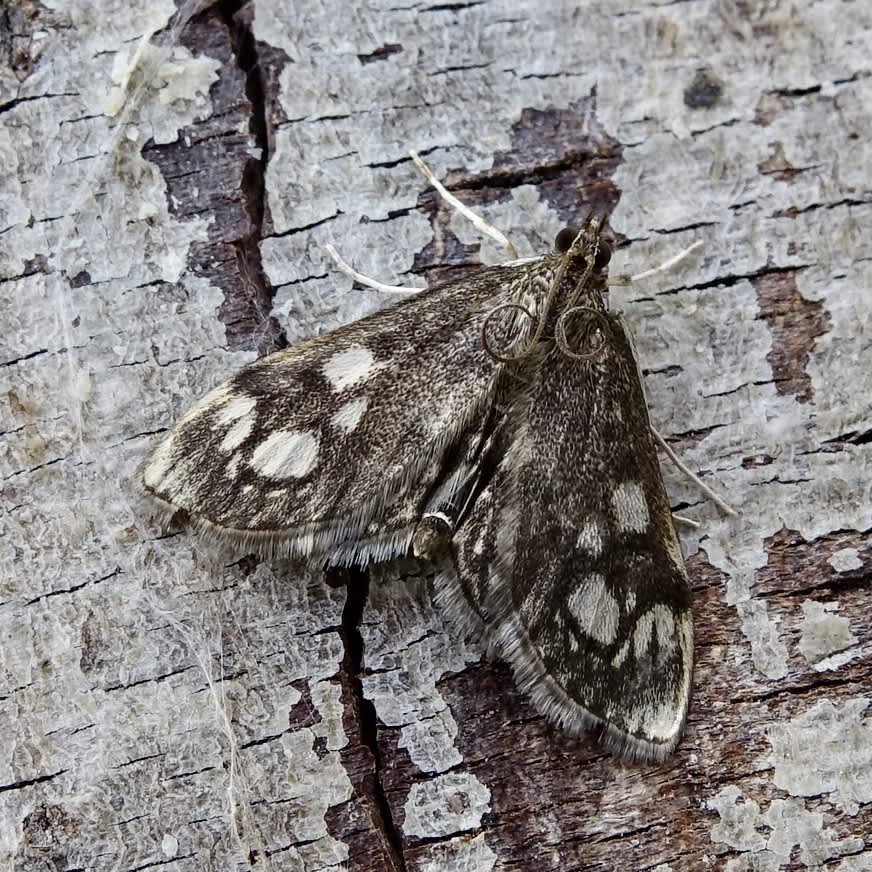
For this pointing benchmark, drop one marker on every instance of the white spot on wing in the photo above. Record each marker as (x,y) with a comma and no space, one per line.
(215,398)
(595,609)
(348,367)
(159,464)
(631,508)
(658,619)
(233,466)
(349,415)
(590,538)
(235,408)
(286,454)
(238,433)
(661,719)
(621,656)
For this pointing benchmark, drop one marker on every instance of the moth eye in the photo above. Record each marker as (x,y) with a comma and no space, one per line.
(603,255)
(564,239)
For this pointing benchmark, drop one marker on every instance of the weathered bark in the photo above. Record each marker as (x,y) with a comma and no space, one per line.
(160,708)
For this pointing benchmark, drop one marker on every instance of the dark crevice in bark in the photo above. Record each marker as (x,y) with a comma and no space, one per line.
(358,592)
(826,589)
(270,337)
(814,685)
(264,740)
(305,228)
(729,279)
(422,841)
(793,211)
(512,177)
(450,7)
(157,863)
(16,360)
(29,782)
(395,162)
(684,228)
(796,92)
(381,53)
(73,588)
(693,437)
(853,437)
(111,688)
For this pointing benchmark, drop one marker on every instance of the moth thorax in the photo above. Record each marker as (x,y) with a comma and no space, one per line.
(432,537)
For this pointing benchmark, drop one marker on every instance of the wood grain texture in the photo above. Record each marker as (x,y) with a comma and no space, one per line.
(170,178)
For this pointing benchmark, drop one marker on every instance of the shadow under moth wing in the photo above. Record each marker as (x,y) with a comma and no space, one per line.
(500,418)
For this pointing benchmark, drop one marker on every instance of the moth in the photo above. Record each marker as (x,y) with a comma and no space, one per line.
(497,425)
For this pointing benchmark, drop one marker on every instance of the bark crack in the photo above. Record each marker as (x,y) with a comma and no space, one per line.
(544,170)
(358,592)
(269,335)
(29,782)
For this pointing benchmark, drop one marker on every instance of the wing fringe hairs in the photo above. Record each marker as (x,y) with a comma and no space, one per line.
(498,420)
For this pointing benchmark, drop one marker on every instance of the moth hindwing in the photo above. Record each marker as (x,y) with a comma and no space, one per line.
(500,421)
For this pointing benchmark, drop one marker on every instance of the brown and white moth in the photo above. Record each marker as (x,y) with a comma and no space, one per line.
(499,420)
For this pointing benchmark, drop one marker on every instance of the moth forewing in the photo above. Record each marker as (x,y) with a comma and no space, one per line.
(332,447)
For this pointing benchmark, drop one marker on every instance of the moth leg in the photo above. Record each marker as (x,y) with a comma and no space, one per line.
(458,595)
(438,524)
(721,503)
(460,590)
(451,502)
(663,267)
(349,270)
(477,221)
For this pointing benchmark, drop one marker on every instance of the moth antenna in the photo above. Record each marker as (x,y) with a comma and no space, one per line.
(593,333)
(476,220)
(686,522)
(497,356)
(721,503)
(663,267)
(359,277)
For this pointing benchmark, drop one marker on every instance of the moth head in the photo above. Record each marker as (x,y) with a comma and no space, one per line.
(585,242)
(581,324)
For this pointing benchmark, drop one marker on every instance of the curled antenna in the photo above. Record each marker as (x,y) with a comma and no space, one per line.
(496,355)
(592,332)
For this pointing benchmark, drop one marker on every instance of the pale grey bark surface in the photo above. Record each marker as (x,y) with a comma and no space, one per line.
(169,180)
